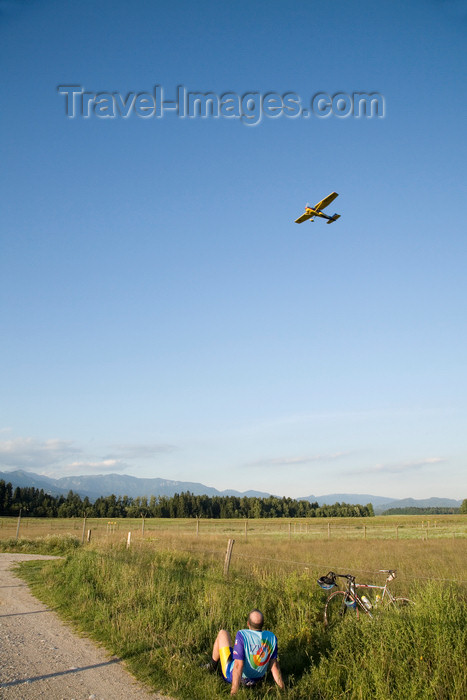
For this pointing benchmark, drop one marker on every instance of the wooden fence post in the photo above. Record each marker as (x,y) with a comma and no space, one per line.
(228,556)
(19,523)
(89,536)
(128,540)
(84,530)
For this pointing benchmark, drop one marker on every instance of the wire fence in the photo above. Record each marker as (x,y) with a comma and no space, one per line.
(315,528)
(256,539)
(378,528)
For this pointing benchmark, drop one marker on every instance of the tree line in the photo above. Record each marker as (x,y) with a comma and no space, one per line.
(417,510)
(34,502)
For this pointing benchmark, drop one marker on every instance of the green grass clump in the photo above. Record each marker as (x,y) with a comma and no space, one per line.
(50,544)
(161,611)
(417,652)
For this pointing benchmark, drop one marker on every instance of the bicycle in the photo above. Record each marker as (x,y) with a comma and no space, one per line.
(339,602)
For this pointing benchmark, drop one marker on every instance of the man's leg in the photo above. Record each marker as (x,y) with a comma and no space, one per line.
(222,650)
(222,640)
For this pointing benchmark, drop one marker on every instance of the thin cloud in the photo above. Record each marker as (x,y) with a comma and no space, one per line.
(144,451)
(296,461)
(399,468)
(31,454)
(56,457)
(104,465)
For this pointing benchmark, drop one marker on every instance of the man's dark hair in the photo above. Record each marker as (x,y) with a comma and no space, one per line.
(256,620)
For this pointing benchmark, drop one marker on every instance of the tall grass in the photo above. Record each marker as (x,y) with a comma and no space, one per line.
(50,544)
(160,611)
(416,652)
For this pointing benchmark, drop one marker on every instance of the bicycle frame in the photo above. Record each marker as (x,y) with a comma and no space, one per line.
(351,591)
(385,594)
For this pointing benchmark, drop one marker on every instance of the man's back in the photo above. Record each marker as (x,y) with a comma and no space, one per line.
(256,649)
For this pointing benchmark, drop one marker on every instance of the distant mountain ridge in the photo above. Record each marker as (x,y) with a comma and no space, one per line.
(94,486)
(363,499)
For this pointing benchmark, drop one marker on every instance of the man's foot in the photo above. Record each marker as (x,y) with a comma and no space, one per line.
(211,666)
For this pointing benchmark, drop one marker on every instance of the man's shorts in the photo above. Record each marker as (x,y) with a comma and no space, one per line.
(226,662)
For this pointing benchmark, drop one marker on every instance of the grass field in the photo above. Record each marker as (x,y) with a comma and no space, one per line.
(159,603)
(382,527)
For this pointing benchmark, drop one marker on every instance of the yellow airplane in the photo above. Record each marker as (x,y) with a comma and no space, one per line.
(311,212)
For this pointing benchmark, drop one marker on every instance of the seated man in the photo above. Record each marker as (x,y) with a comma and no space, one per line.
(255,651)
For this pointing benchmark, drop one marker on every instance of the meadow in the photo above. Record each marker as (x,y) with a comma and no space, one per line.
(382,527)
(159,602)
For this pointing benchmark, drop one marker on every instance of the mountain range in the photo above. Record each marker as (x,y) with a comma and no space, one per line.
(94,486)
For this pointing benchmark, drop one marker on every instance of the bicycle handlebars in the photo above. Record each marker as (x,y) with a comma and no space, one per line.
(329,580)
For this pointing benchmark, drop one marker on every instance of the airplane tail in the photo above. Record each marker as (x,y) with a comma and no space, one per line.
(333,218)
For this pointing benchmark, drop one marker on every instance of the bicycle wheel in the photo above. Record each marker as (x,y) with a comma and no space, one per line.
(402,602)
(336,608)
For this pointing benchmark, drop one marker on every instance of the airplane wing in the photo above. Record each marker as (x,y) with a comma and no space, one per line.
(327,200)
(303,217)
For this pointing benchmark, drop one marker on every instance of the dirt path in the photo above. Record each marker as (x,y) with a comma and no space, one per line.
(40,657)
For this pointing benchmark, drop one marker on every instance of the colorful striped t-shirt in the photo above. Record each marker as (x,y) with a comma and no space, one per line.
(256,649)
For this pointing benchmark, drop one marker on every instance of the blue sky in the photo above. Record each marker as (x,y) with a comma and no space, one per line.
(162,314)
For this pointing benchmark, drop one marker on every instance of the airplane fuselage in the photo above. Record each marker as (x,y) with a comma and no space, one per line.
(316,212)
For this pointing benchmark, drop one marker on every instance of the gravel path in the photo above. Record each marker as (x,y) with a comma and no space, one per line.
(40,657)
